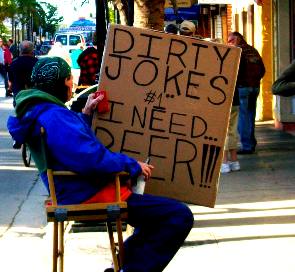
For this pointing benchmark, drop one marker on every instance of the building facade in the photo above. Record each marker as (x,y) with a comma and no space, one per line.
(284,53)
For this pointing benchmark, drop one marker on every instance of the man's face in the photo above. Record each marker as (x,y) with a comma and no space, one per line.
(69,84)
(1,42)
(232,40)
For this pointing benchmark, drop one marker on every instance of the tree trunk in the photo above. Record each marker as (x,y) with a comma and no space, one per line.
(149,14)
(122,6)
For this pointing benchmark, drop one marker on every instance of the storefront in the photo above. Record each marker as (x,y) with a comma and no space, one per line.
(216,18)
(284,53)
(210,19)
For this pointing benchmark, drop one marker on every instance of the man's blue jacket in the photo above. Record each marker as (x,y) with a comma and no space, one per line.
(72,145)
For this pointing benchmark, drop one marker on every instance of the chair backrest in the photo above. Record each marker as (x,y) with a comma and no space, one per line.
(46,162)
(49,170)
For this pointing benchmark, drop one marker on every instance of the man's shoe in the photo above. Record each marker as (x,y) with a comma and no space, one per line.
(245,151)
(225,168)
(234,166)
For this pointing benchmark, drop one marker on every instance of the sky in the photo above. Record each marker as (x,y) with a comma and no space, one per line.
(66,8)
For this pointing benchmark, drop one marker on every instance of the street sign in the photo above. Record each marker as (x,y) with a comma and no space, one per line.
(180,4)
(213,2)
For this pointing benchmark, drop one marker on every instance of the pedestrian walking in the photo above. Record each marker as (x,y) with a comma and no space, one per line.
(251,71)
(20,70)
(3,71)
(13,48)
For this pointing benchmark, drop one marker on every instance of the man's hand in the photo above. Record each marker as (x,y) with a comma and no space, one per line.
(146,169)
(91,103)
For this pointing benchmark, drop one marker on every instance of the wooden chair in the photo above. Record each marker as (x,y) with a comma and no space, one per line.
(102,212)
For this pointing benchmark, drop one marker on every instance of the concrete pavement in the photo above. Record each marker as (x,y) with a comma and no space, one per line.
(252,227)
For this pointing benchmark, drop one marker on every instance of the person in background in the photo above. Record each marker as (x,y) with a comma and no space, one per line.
(75,66)
(7,56)
(171,28)
(13,48)
(89,61)
(19,73)
(251,71)
(230,157)
(3,70)
(57,50)
(187,28)
(161,224)
(7,61)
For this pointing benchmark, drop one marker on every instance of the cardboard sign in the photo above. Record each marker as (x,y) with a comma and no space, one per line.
(169,97)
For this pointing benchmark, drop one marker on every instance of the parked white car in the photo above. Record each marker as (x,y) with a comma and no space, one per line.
(69,40)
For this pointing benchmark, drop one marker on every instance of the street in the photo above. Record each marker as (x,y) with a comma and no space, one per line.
(252,227)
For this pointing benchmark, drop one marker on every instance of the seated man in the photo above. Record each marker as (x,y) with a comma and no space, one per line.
(161,224)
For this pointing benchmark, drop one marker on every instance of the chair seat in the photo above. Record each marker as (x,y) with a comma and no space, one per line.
(93,211)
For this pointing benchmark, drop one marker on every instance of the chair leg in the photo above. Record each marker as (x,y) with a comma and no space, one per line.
(61,246)
(55,247)
(120,240)
(113,247)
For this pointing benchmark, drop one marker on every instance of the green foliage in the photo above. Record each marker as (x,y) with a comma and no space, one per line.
(7,9)
(50,21)
(111,12)
(32,13)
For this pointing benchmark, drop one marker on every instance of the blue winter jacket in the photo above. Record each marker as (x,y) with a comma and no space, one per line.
(72,144)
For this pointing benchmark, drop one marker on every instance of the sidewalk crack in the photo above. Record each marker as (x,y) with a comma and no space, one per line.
(19,208)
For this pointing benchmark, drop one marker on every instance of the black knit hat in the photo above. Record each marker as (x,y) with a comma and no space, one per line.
(171,28)
(47,71)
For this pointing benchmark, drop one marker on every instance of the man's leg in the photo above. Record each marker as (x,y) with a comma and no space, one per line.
(161,226)
(3,73)
(243,123)
(252,115)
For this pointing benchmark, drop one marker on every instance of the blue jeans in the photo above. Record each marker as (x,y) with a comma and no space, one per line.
(161,226)
(3,73)
(246,124)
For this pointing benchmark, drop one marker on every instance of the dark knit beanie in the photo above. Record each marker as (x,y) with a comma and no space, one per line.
(171,28)
(48,71)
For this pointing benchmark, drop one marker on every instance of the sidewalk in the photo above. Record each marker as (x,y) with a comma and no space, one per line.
(251,228)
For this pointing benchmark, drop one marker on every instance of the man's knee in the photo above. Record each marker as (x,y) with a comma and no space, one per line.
(184,217)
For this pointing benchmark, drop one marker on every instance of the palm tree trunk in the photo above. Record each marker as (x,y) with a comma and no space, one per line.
(149,14)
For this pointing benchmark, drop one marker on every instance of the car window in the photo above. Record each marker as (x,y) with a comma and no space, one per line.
(74,39)
(62,39)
